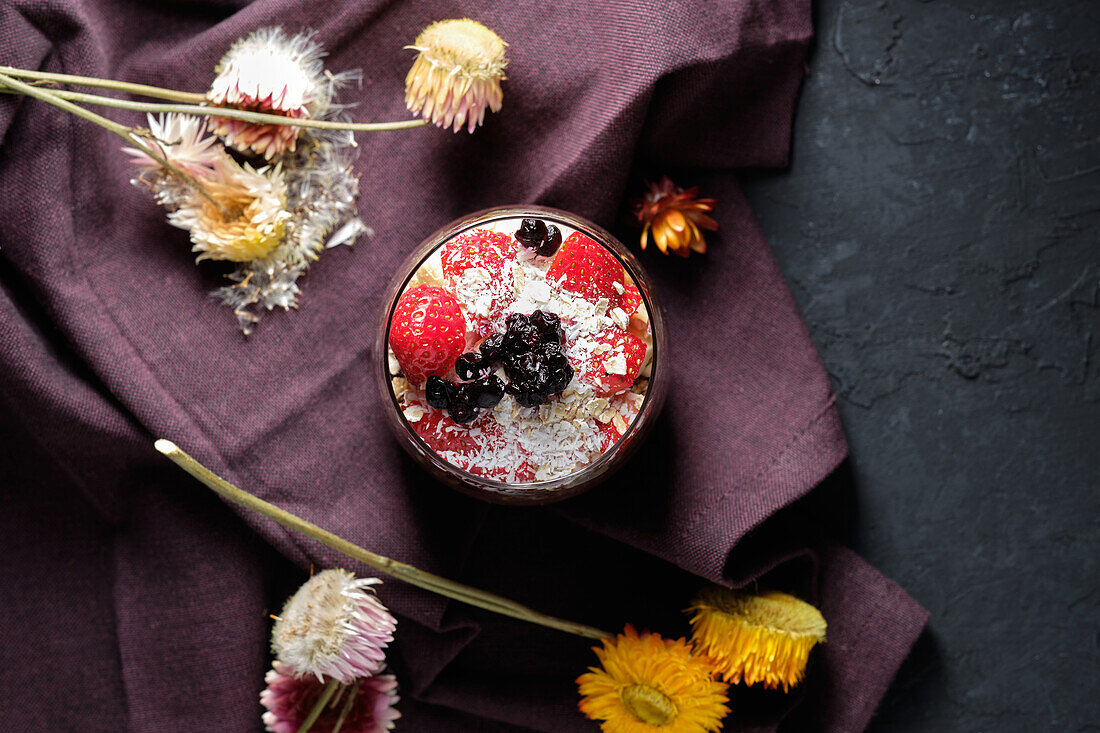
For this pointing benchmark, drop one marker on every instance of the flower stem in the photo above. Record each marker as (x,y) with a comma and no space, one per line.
(399,570)
(319,706)
(346,710)
(143,90)
(126,133)
(236,114)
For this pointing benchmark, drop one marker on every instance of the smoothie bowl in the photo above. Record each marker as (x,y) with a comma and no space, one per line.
(521,355)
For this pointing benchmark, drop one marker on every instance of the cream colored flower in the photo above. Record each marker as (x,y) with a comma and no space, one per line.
(271,73)
(334,626)
(457,74)
(251,219)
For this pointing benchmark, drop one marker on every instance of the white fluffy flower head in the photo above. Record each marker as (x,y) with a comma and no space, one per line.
(269,72)
(333,627)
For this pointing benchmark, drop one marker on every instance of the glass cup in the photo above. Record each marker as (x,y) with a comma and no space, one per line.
(530,492)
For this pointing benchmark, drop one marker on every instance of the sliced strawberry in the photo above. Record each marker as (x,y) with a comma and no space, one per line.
(586,268)
(442,434)
(630,300)
(513,473)
(609,433)
(478,248)
(483,295)
(428,332)
(462,444)
(614,363)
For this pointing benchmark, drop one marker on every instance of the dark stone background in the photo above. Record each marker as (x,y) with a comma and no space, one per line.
(938,227)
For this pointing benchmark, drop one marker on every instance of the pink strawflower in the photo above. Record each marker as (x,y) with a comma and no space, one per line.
(179,138)
(334,626)
(366,706)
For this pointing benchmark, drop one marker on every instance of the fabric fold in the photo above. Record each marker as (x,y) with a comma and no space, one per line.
(111,339)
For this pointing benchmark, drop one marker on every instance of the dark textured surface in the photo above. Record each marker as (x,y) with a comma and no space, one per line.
(938,226)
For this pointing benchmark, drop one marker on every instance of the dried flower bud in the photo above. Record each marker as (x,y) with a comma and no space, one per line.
(762,638)
(333,627)
(675,217)
(457,74)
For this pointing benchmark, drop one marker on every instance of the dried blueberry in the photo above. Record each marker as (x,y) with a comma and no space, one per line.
(548,326)
(558,381)
(521,367)
(521,335)
(472,366)
(560,372)
(532,233)
(440,392)
(485,392)
(462,410)
(526,395)
(550,245)
(491,347)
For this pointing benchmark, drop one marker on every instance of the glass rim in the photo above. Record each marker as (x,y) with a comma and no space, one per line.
(618,250)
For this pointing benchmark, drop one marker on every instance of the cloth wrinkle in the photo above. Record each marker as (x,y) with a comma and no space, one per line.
(291,413)
(768,465)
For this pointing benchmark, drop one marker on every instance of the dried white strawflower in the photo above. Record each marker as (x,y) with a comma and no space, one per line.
(322,189)
(457,73)
(273,73)
(273,221)
(335,627)
(179,138)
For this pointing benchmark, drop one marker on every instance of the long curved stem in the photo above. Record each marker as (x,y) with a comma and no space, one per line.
(126,133)
(143,90)
(236,114)
(428,581)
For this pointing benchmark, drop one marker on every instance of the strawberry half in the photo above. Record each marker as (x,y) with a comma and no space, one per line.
(489,250)
(586,268)
(614,363)
(484,297)
(462,444)
(609,434)
(428,332)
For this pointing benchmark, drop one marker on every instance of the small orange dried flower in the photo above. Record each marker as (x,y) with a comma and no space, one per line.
(675,217)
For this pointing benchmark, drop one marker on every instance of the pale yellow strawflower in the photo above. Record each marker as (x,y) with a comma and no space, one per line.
(252,217)
(457,74)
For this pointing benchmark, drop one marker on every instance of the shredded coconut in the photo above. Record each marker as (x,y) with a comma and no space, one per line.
(512,443)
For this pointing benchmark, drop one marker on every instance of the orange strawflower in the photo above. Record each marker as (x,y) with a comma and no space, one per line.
(675,217)
(647,683)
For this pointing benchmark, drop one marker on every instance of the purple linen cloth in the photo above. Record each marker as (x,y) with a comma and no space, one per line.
(134,599)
